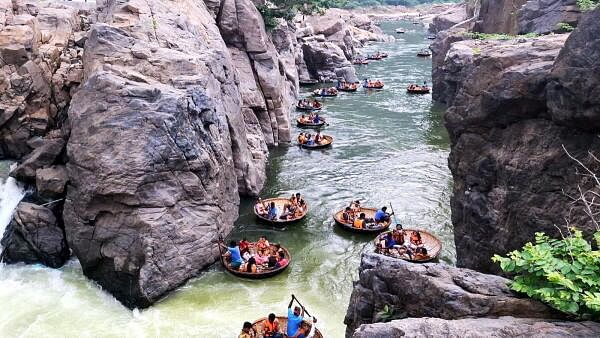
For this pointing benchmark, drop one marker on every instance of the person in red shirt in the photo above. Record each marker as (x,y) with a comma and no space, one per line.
(244,246)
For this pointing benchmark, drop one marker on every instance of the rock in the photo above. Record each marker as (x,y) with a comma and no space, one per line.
(34,236)
(50,182)
(498,16)
(442,70)
(325,60)
(432,290)
(449,18)
(478,327)
(161,146)
(42,156)
(573,90)
(543,16)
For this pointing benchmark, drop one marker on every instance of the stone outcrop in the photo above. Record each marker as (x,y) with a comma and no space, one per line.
(502,327)
(454,15)
(498,16)
(39,69)
(50,182)
(543,16)
(431,290)
(34,236)
(513,106)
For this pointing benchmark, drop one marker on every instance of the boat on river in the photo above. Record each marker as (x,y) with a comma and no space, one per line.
(369,213)
(263,271)
(327,92)
(374,57)
(326,142)
(400,30)
(424,53)
(360,62)
(280,203)
(430,242)
(347,87)
(416,89)
(311,106)
(258,326)
(431,37)
(373,84)
(304,124)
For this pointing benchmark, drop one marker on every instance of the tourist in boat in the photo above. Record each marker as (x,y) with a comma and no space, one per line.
(355,207)
(415,240)
(233,251)
(309,141)
(261,208)
(398,236)
(360,222)
(421,253)
(272,262)
(318,138)
(381,215)
(247,331)
(263,246)
(281,260)
(272,212)
(244,246)
(302,137)
(301,207)
(250,266)
(316,119)
(347,215)
(271,327)
(305,331)
(295,318)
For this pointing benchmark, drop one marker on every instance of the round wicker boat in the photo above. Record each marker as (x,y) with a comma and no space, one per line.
(416,89)
(263,271)
(374,57)
(424,53)
(309,124)
(350,88)
(258,326)
(430,242)
(360,62)
(327,141)
(318,93)
(369,213)
(310,107)
(279,203)
(373,86)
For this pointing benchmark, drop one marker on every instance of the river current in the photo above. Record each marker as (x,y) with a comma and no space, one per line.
(390,147)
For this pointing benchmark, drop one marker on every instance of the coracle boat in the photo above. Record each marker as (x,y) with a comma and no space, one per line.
(263,271)
(431,37)
(258,326)
(430,242)
(330,92)
(416,89)
(384,55)
(360,62)
(279,203)
(310,124)
(374,85)
(400,31)
(424,53)
(369,213)
(327,141)
(315,105)
(348,87)
(374,57)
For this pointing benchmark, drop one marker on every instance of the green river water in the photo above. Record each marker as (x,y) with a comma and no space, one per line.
(389,147)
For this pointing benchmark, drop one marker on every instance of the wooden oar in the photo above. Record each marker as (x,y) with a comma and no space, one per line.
(302,306)
(395,220)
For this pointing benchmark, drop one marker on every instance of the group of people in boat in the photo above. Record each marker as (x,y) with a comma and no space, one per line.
(413,87)
(353,215)
(255,257)
(295,207)
(346,86)
(331,91)
(394,244)
(312,118)
(270,327)
(377,56)
(306,104)
(309,140)
(367,83)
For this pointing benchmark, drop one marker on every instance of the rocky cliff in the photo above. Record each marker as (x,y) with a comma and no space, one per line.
(514,105)
(149,118)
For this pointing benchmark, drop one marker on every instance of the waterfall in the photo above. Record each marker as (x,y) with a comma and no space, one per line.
(11,193)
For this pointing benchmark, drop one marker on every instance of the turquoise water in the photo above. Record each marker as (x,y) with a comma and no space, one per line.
(389,147)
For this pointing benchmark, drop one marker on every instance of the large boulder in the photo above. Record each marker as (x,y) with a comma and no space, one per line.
(574,88)
(431,290)
(156,130)
(325,60)
(498,16)
(502,327)
(34,236)
(50,182)
(42,156)
(543,16)
(454,15)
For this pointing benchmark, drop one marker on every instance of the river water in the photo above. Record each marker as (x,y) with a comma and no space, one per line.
(389,147)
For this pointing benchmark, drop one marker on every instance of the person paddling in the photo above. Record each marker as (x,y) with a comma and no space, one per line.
(295,318)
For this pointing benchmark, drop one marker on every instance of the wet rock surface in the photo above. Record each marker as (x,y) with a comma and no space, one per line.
(34,236)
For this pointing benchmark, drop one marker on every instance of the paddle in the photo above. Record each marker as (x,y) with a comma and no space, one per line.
(302,306)
(395,220)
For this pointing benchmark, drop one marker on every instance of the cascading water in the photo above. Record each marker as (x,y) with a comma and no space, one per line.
(11,193)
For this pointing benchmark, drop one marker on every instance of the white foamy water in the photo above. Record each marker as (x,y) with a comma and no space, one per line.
(11,193)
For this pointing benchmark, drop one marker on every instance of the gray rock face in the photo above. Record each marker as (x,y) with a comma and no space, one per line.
(325,60)
(156,132)
(503,327)
(498,16)
(431,290)
(38,72)
(50,182)
(33,236)
(542,16)
(449,18)
(442,70)
(42,156)
(574,91)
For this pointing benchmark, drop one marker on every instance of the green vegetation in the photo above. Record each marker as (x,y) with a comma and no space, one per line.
(563,273)
(564,27)
(287,9)
(486,36)
(587,5)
